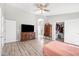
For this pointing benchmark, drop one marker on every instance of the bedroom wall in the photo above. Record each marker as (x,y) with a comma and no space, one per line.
(0,33)
(20,16)
(61,18)
(2,28)
(30,20)
(72,31)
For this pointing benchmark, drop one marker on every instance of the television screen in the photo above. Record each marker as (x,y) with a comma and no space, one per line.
(27,28)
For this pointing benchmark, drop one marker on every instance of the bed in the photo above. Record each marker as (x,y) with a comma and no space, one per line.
(57,48)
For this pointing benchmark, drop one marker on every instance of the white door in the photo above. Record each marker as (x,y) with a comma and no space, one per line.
(72,31)
(10,31)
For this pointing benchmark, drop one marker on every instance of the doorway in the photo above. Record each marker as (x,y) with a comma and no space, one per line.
(60,31)
(40,28)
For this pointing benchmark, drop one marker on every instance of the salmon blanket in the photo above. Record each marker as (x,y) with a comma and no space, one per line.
(56,48)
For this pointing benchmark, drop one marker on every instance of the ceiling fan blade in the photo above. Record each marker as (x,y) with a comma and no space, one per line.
(42,7)
(37,5)
(46,10)
(46,5)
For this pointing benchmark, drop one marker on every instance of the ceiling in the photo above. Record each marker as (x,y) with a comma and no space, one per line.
(55,8)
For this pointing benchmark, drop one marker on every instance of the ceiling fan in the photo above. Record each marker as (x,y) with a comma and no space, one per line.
(43,7)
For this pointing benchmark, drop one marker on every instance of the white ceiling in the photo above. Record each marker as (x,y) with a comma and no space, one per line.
(55,8)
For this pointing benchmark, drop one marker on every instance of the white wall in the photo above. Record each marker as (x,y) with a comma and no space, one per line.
(61,18)
(10,31)
(21,17)
(0,32)
(72,31)
(25,19)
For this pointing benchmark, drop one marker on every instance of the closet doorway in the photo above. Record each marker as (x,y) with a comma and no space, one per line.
(60,31)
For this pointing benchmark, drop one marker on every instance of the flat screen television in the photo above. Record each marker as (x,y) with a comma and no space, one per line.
(27,28)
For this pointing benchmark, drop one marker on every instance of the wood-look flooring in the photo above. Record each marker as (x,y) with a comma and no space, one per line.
(26,48)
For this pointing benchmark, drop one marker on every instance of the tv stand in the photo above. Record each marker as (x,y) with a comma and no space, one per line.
(27,36)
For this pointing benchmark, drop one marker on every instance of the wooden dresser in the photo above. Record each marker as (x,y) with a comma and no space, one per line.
(48,30)
(27,36)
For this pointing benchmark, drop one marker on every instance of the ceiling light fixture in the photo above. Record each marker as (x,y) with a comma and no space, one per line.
(42,7)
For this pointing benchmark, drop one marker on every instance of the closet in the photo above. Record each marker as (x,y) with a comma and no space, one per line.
(72,31)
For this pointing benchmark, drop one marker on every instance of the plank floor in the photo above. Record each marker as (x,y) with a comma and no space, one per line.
(26,48)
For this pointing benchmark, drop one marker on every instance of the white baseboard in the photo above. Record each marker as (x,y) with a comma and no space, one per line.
(11,41)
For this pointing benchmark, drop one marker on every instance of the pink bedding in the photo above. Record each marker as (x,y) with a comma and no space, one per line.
(56,48)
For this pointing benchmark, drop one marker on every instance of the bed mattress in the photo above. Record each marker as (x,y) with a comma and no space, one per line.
(57,48)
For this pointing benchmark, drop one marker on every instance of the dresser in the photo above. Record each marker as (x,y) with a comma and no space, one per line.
(48,30)
(27,36)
